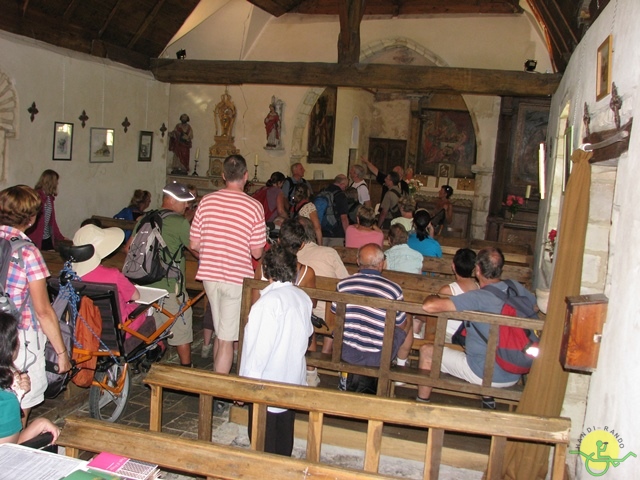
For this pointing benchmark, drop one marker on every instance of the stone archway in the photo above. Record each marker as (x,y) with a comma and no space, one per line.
(8,119)
(398,50)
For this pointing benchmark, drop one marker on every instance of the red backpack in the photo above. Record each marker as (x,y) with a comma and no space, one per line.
(261,196)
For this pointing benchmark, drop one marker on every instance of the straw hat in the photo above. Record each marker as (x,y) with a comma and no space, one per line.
(104,241)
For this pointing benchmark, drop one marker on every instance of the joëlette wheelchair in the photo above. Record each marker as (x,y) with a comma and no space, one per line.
(117,357)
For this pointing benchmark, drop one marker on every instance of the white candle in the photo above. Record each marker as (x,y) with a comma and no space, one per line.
(255,162)
(197,153)
(527,193)
(541,171)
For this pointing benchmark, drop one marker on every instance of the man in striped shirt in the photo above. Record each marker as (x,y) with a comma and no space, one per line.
(228,229)
(364,326)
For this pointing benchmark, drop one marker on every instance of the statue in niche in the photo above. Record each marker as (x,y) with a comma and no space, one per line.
(180,141)
(225,114)
(273,124)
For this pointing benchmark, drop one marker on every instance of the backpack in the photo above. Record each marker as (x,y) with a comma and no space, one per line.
(149,259)
(261,196)
(326,212)
(513,342)
(8,247)
(394,211)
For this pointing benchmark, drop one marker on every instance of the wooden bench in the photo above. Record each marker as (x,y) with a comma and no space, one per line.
(441,267)
(376,411)
(386,374)
(194,457)
(115,222)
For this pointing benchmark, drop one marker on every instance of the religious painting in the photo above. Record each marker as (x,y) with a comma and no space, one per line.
(531,131)
(447,137)
(446,170)
(145,146)
(322,127)
(603,75)
(62,141)
(101,145)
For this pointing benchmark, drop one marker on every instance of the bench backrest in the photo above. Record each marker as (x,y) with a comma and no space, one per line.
(377,411)
(194,457)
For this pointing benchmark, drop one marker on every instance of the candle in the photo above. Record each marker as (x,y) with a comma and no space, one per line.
(541,171)
(255,162)
(197,153)
(527,193)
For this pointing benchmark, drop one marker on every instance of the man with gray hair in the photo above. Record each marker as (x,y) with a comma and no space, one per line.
(290,183)
(357,173)
(364,326)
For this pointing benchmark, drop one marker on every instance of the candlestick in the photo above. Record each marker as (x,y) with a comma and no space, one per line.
(527,193)
(256,160)
(255,172)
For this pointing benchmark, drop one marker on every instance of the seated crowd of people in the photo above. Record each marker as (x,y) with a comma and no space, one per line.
(226,231)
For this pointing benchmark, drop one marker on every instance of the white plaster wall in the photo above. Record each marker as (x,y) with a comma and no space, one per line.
(613,393)
(63,83)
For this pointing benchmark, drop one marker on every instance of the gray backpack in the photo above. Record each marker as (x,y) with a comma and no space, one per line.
(149,259)
(8,247)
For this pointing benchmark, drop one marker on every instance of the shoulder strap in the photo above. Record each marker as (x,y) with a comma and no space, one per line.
(497,292)
(395,192)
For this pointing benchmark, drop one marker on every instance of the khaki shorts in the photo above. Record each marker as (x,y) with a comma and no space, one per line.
(225,300)
(454,362)
(182,329)
(31,359)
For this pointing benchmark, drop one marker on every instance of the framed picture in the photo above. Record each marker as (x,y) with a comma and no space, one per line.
(62,140)
(146,144)
(446,170)
(603,75)
(101,145)
(446,136)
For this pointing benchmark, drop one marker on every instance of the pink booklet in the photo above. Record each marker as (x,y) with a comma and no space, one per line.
(108,461)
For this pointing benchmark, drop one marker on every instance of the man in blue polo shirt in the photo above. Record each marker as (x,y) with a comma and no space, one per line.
(364,326)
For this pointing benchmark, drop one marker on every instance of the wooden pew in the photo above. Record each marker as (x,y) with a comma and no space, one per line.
(441,267)
(194,457)
(376,411)
(385,374)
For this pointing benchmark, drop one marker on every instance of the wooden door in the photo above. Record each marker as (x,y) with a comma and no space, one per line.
(385,153)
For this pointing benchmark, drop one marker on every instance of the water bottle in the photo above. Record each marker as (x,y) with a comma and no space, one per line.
(7,306)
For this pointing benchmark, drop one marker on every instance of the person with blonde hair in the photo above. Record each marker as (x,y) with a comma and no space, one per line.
(45,232)
(26,284)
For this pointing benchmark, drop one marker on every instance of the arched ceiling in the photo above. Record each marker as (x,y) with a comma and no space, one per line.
(135,32)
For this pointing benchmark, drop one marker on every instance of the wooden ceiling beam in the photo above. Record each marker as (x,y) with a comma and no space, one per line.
(147,21)
(69,11)
(377,76)
(396,8)
(351,13)
(106,23)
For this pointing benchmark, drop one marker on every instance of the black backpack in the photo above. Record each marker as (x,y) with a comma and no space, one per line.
(149,259)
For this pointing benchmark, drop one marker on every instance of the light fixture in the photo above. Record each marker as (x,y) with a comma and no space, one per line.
(182,54)
(530,65)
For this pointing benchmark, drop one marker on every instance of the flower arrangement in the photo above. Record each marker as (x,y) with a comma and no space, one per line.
(414,186)
(513,203)
(550,244)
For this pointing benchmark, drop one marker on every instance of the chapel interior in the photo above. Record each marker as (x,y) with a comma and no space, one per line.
(491,97)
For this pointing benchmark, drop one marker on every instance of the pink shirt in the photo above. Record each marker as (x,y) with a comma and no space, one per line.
(228,224)
(355,238)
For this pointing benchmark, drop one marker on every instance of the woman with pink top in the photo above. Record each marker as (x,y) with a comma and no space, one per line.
(365,231)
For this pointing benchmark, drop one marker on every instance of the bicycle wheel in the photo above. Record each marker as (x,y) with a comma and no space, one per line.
(108,401)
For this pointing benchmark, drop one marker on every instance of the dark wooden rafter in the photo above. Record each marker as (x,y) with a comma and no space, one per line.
(147,21)
(69,11)
(351,12)
(112,14)
(25,5)
(375,76)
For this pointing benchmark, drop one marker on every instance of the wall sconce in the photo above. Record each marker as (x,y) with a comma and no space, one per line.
(182,54)
(530,65)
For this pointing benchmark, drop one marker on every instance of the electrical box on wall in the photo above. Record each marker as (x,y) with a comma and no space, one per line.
(583,326)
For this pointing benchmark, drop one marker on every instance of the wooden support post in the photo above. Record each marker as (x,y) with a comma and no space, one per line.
(204,418)
(373,446)
(433,453)
(155,409)
(351,12)
(496,457)
(314,436)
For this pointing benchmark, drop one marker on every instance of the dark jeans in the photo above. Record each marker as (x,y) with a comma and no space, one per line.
(279,431)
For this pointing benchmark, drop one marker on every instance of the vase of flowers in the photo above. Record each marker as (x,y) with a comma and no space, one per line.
(414,186)
(513,204)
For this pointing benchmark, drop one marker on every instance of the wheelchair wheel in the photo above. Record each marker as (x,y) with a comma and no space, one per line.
(109,393)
